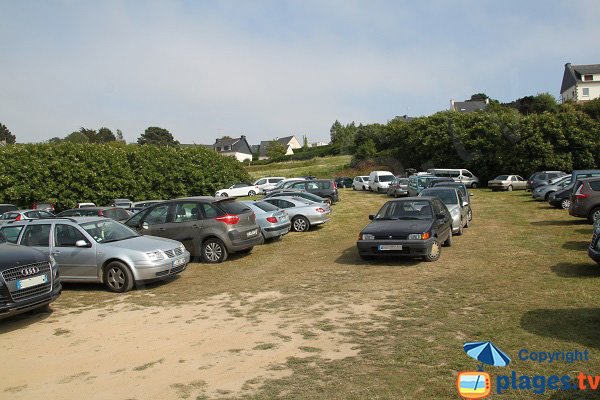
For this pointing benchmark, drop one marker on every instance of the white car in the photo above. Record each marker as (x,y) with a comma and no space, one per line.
(238,190)
(268,182)
(360,183)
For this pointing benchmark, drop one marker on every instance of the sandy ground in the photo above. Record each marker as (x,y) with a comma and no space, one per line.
(223,346)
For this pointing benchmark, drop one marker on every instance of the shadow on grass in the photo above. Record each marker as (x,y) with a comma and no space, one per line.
(579,325)
(568,270)
(563,222)
(576,245)
(575,394)
(585,231)
(350,257)
(99,287)
(23,320)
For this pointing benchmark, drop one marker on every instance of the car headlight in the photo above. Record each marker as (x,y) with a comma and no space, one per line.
(155,255)
(368,236)
(182,248)
(418,236)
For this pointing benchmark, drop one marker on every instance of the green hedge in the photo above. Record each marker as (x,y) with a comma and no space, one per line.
(69,173)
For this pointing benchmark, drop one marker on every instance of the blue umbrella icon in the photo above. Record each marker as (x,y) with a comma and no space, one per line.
(486,353)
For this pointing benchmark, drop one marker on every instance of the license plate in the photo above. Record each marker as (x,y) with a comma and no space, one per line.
(390,247)
(30,282)
(253,232)
(178,262)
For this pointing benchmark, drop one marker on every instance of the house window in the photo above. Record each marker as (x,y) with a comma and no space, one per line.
(218,149)
(585,92)
(588,77)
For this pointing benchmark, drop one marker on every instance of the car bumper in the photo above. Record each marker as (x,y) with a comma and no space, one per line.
(276,231)
(10,309)
(236,245)
(319,219)
(147,271)
(577,211)
(497,186)
(410,248)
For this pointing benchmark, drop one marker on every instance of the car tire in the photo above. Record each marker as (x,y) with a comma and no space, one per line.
(328,200)
(594,215)
(460,228)
(252,193)
(213,251)
(448,241)
(474,185)
(353,187)
(364,188)
(510,188)
(547,195)
(300,224)
(565,204)
(434,252)
(467,222)
(470,215)
(118,277)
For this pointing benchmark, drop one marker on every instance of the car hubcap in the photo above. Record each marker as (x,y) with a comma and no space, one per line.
(213,251)
(300,225)
(566,204)
(596,216)
(435,250)
(116,278)
(470,216)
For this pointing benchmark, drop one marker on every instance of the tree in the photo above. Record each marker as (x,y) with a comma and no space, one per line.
(6,136)
(157,136)
(120,135)
(479,97)
(276,149)
(55,140)
(91,134)
(592,108)
(226,137)
(542,102)
(77,137)
(366,150)
(105,135)
(305,142)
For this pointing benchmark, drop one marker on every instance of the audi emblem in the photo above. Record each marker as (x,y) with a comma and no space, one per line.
(29,271)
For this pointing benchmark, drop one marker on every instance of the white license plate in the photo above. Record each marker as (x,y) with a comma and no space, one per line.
(253,232)
(30,282)
(390,247)
(178,262)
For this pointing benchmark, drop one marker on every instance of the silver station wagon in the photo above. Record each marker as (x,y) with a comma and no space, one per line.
(97,249)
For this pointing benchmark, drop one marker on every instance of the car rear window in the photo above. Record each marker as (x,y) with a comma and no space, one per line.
(233,207)
(263,205)
(502,178)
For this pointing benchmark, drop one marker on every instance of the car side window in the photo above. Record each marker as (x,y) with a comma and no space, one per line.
(312,186)
(209,211)
(299,185)
(36,235)
(595,185)
(261,182)
(186,211)
(67,235)
(12,233)
(285,204)
(158,215)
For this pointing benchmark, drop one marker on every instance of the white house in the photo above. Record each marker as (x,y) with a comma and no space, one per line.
(290,142)
(238,148)
(580,82)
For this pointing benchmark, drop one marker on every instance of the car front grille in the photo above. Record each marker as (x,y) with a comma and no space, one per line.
(391,237)
(13,274)
(172,271)
(174,253)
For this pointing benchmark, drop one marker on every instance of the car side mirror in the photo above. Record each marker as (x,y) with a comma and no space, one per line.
(371,217)
(82,243)
(465,203)
(145,225)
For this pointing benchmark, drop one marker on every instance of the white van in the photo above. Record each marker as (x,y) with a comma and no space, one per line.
(268,182)
(459,175)
(380,180)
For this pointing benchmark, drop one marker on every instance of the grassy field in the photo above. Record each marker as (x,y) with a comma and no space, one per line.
(519,276)
(322,167)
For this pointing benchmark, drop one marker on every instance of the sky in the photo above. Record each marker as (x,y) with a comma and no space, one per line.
(266,69)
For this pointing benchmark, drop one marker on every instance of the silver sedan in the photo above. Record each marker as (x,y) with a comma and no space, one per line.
(303,213)
(273,221)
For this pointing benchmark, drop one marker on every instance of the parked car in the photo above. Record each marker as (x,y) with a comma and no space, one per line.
(284,184)
(304,214)
(411,226)
(433,181)
(44,206)
(398,187)
(562,198)
(116,213)
(585,199)
(458,174)
(273,221)
(325,188)
(140,205)
(454,202)
(296,193)
(507,182)
(543,192)
(465,193)
(418,182)
(343,182)
(96,249)
(542,178)
(85,205)
(380,180)
(121,203)
(238,190)
(267,182)
(360,183)
(29,279)
(7,207)
(21,215)
(594,249)
(209,227)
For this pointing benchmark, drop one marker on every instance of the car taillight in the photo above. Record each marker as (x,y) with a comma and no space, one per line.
(580,195)
(334,186)
(100,213)
(321,210)
(18,217)
(272,219)
(229,219)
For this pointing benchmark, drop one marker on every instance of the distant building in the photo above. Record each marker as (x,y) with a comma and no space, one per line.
(290,142)
(318,144)
(238,148)
(469,105)
(580,82)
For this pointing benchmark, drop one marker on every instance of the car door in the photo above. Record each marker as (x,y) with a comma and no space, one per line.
(520,182)
(186,225)
(155,221)
(37,236)
(74,262)
(444,225)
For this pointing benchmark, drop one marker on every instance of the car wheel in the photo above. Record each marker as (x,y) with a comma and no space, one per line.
(510,188)
(328,201)
(460,228)
(300,224)
(448,242)
(565,204)
(474,185)
(117,277)
(224,195)
(213,251)
(364,188)
(467,222)
(353,187)
(469,215)
(395,194)
(251,193)
(547,195)
(595,215)
(434,251)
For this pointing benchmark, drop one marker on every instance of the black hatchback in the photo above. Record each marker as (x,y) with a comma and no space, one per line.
(412,226)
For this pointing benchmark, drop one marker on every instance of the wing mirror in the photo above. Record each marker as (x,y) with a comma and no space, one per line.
(82,243)
(371,216)
(471,194)
(145,226)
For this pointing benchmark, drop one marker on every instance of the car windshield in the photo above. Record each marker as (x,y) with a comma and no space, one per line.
(447,196)
(502,178)
(107,231)
(386,178)
(410,209)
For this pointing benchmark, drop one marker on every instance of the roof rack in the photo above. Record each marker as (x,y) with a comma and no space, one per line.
(42,219)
